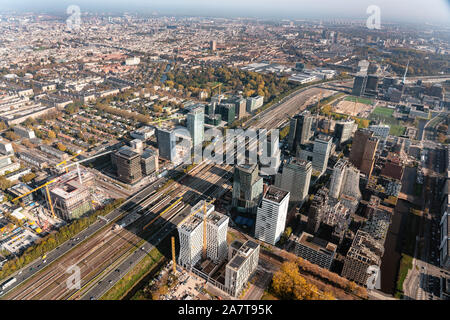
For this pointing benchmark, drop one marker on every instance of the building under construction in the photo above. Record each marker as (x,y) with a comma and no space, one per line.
(70,195)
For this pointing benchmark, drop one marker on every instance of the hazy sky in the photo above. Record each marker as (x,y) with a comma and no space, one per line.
(431,11)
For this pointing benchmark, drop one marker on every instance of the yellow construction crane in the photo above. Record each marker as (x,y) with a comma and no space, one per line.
(204,208)
(45,185)
(157,122)
(216,86)
(168,208)
(174,262)
(71,158)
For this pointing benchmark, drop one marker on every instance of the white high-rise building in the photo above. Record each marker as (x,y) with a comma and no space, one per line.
(191,236)
(195,123)
(295,178)
(345,180)
(321,152)
(271,215)
(216,231)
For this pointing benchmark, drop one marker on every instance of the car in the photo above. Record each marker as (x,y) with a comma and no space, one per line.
(20,272)
(92,298)
(110,281)
(117,270)
(44,261)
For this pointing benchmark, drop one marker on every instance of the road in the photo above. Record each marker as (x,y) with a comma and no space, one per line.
(105,255)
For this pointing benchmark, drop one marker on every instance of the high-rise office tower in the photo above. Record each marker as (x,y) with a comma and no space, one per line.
(213,45)
(127,164)
(359,84)
(321,152)
(295,178)
(195,124)
(247,188)
(364,147)
(228,112)
(372,84)
(343,130)
(271,215)
(300,130)
(166,143)
(241,105)
(317,210)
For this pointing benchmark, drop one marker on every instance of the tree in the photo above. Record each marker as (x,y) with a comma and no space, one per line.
(5,183)
(28,177)
(51,134)
(61,147)
(3,126)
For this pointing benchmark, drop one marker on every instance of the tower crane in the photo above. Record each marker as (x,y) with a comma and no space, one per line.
(45,185)
(71,158)
(84,160)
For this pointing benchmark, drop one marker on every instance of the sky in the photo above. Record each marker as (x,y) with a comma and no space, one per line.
(420,11)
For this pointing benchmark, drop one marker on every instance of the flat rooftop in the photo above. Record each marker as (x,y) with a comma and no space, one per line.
(316,243)
(275,194)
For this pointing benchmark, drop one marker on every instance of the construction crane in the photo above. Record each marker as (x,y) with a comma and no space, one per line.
(166,119)
(45,185)
(216,86)
(204,208)
(71,158)
(84,160)
(167,209)
(174,262)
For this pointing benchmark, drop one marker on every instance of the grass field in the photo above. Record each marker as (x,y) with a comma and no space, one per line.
(397,130)
(359,100)
(384,115)
(382,111)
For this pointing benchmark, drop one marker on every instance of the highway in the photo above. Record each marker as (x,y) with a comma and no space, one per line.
(105,254)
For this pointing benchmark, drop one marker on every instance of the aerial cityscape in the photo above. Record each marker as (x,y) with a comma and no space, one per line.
(200,150)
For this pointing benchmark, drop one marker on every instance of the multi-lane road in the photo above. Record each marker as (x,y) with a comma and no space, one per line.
(105,253)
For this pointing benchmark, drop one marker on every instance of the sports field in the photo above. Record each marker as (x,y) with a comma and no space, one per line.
(383,111)
(359,100)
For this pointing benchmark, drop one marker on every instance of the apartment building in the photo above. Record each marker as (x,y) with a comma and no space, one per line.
(243,260)
(315,250)
(295,178)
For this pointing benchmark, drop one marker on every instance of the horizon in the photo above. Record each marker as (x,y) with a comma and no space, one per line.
(415,11)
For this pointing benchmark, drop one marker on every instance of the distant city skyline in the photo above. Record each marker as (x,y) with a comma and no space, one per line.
(432,11)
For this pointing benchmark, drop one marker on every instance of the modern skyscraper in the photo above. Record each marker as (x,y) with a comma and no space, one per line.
(300,130)
(359,84)
(228,112)
(317,210)
(343,130)
(271,215)
(213,45)
(247,188)
(127,164)
(195,123)
(321,152)
(295,178)
(241,105)
(364,147)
